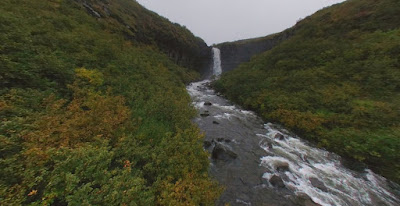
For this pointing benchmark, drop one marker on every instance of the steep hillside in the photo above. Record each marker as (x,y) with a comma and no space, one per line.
(141,25)
(93,106)
(336,81)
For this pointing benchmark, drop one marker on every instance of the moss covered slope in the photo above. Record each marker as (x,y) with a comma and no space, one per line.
(93,107)
(336,81)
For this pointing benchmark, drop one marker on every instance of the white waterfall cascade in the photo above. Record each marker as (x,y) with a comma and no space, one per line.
(217,69)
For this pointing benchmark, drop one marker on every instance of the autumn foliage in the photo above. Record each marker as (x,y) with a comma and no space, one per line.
(88,117)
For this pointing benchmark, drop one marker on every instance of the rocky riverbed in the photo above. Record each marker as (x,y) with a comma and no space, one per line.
(264,164)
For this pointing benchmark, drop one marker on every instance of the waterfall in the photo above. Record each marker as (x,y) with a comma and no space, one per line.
(217,69)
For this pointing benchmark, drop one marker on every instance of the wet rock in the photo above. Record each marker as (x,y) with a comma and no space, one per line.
(279,136)
(220,139)
(270,145)
(277,181)
(207,103)
(318,184)
(215,122)
(304,158)
(304,200)
(266,143)
(205,114)
(284,177)
(221,152)
(282,166)
(228,140)
(207,144)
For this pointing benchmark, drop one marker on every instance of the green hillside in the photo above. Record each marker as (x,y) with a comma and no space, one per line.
(93,106)
(336,82)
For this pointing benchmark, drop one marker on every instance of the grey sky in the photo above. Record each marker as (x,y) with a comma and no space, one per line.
(218,21)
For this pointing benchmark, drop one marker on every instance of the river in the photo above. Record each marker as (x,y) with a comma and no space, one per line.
(262,163)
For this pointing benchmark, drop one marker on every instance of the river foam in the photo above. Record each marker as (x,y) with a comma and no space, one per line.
(337,184)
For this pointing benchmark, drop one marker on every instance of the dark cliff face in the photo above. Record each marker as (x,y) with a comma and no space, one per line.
(143,26)
(235,53)
(198,58)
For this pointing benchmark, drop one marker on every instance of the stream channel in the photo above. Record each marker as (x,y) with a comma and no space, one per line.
(263,164)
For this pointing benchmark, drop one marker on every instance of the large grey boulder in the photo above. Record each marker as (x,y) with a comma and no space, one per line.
(318,184)
(277,181)
(222,152)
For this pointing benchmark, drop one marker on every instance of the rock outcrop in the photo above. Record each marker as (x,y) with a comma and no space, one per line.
(222,152)
(277,181)
(318,184)
(176,41)
(235,53)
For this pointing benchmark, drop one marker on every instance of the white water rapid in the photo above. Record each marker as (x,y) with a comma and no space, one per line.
(320,174)
(272,166)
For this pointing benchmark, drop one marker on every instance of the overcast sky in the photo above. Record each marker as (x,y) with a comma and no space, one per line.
(218,21)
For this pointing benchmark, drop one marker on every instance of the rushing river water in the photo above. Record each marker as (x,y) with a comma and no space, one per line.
(264,164)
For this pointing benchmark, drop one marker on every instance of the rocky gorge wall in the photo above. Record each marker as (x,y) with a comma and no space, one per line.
(235,53)
(142,26)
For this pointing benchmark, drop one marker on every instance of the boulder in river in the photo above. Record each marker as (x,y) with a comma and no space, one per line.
(205,114)
(282,166)
(207,103)
(318,184)
(277,181)
(222,152)
(279,136)
(223,140)
(207,144)
(215,122)
(266,143)
(304,200)
(270,145)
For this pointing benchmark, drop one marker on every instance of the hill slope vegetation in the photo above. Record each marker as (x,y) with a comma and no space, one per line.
(336,82)
(93,107)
